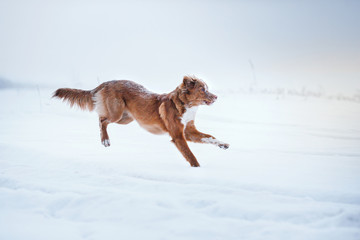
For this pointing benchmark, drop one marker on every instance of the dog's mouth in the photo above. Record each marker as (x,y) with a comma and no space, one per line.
(209,102)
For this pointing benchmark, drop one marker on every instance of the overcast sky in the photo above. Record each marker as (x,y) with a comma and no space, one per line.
(81,43)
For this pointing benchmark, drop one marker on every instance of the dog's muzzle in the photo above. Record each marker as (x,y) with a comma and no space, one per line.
(211,99)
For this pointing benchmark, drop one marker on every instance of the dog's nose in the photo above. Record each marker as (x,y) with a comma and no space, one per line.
(215,97)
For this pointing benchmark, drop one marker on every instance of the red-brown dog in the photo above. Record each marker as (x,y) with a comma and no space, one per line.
(173,113)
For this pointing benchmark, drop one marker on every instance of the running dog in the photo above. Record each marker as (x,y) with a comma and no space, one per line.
(122,101)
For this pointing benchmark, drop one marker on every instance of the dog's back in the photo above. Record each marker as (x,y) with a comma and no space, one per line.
(88,99)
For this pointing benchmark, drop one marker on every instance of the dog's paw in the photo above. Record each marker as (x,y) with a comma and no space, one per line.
(224,145)
(106,142)
(195,164)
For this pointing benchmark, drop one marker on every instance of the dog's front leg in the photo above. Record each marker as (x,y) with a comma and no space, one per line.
(183,147)
(193,135)
(176,131)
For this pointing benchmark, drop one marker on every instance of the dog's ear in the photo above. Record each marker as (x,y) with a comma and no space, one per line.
(189,82)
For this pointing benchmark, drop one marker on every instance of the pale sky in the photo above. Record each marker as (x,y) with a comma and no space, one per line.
(81,43)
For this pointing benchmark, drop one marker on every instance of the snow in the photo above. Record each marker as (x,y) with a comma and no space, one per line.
(291,172)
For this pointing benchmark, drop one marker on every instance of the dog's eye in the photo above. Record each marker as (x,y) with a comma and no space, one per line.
(203,89)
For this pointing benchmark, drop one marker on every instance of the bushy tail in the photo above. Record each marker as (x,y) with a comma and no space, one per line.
(83,99)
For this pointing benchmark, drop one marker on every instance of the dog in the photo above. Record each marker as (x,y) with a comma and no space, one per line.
(122,101)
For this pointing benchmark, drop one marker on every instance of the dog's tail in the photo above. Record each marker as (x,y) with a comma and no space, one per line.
(81,98)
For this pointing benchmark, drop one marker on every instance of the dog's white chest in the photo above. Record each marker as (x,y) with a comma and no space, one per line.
(188,115)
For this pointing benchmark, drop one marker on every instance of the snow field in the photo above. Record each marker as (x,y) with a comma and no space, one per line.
(291,172)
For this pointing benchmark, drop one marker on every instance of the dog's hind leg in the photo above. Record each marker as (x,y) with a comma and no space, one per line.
(110,110)
(126,118)
(103,122)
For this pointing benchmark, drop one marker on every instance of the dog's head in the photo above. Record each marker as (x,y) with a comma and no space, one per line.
(196,92)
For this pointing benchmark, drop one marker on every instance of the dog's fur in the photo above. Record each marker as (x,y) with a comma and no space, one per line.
(173,113)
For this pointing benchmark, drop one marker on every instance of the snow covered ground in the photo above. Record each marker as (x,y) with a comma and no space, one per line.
(292,172)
